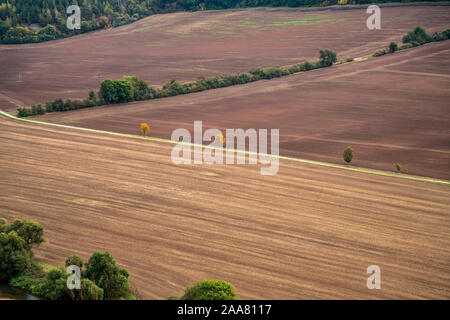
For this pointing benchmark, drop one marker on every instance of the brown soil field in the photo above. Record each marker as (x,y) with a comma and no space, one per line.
(390,109)
(184,46)
(308,232)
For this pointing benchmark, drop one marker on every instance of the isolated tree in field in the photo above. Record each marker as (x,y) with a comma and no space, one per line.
(220,139)
(348,154)
(397,165)
(210,290)
(327,58)
(144,128)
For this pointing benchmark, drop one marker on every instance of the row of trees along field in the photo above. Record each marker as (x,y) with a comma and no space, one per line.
(23,21)
(131,88)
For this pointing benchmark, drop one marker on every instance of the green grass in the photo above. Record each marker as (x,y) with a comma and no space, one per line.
(317,19)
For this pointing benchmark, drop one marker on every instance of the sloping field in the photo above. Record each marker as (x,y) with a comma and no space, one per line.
(184,46)
(390,109)
(308,232)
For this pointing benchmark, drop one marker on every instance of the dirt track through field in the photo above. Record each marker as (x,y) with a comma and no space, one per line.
(308,232)
(390,109)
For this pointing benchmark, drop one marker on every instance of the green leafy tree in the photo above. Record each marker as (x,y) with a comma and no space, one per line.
(348,154)
(140,87)
(327,58)
(418,36)
(85,27)
(89,291)
(54,285)
(3,29)
(393,47)
(173,88)
(74,260)
(103,270)
(116,91)
(210,290)
(17,35)
(103,22)
(48,33)
(2,225)
(31,232)
(15,256)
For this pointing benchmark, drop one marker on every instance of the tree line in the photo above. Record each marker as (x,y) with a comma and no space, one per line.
(131,88)
(414,38)
(16,16)
(101,277)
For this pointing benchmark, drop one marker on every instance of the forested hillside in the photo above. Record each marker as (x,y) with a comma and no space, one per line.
(40,20)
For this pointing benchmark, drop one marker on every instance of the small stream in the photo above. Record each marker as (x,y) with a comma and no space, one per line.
(7,292)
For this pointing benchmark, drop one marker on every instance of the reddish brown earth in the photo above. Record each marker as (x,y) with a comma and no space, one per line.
(184,46)
(308,232)
(393,108)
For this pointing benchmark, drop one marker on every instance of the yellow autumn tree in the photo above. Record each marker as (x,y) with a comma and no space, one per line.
(144,128)
(220,138)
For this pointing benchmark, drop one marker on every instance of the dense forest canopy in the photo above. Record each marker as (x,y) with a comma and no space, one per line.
(40,20)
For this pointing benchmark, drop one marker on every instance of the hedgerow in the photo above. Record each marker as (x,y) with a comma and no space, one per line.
(131,88)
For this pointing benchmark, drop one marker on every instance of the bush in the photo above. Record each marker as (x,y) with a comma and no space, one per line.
(144,128)
(3,28)
(446,34)
(40,110)
(48,33)
(348,154)
(327,58)
(31,232)
(74,260)
(103,270)
(209,290)
(89,291)
(393,47)
(15,255)
(140,87)
(173,88)
(306,66)
(397,165)
(405,46)
(17,35)
(23,112)
(379,53)
(16,240)
(54,285)
(116,91)
(418,35)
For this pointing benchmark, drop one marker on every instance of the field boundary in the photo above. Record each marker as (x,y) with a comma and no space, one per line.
(313,162)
